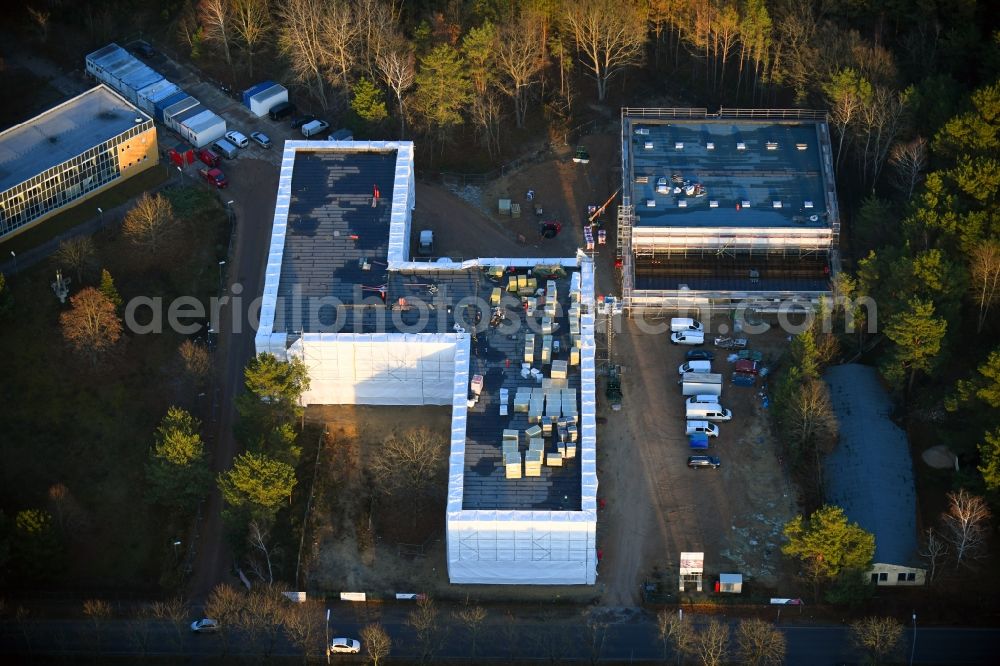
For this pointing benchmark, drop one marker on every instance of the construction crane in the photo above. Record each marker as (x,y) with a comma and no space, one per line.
(600,209)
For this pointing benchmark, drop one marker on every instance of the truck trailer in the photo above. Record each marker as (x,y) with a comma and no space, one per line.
(701,383)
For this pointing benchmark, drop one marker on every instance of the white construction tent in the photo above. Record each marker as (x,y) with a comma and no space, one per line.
(510,547)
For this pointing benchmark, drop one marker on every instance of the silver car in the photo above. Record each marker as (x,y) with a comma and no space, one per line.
(261,139)
(345,646)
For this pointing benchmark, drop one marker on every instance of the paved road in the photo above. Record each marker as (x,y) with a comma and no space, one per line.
(630,636)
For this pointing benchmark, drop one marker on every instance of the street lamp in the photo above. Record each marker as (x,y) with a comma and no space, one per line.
(100,211)
(176,543)
(914,648)
(328,635)
(15,262)
(221,264)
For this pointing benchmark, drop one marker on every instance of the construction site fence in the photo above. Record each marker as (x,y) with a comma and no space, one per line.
(724,113)
(455,179)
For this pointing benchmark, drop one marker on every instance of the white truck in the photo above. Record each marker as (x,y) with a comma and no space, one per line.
(701,383)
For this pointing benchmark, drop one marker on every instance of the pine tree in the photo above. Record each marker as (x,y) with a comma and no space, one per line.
(257,483)
(368,102)
(177,471)
(108,288)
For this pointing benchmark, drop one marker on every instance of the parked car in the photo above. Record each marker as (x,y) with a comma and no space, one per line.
(143,49)
(694,366)
(261,139)
(313,128)
(237,138)
(694,427)
(687,338)
(345,646)
(341,135)
(700,355)
(697,462)
(747,366)
(214,177)
(707,411)
(281,110)
(225,148)
(205,626)
(685,324)
(708,399)
(299,121)
(209,158)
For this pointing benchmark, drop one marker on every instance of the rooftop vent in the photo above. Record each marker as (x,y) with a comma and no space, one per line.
(746,203)
(710,146)
(713,204)
(683,203)
(801,146)
(679,145)
(772,145)
(648,145)
(775,204)
(741,146)
(808,204)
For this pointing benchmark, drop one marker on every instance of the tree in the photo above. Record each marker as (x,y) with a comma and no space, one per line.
(985,273)
(848,92)
(195,362)
(276,382)
(917,336)
(36,546)
(443,90)
(827,543)
(809,418)
(301,37)
(108,288)
(395,64)
(519,58)
(423,620)
(174,611)
(879,636)
(98,612)
(711,644)
(675,633)
(410,463)
(377,642)
(933,549)
(150,225)
(610,35)
(259,559)
(216,18)
(368,102)
(304,624)
(759,643)
(224,605)
(78,254)
(472,617)
(909,161)
(479,46)
(976,132)
(6,298)
(966,525)
(177,471)
(91,326)
(251,21)
(340,33)
(40,18)
(257,483)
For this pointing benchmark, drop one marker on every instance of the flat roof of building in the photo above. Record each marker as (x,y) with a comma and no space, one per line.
(62,133)
(735,162)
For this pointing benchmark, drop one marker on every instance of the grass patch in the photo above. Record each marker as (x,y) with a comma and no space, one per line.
(86,210)
(90,431)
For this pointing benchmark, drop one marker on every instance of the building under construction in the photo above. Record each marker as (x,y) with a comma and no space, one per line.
(736,207)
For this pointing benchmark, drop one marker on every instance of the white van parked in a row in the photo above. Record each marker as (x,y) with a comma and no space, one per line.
(694,366)
(678,324)
(702,427)
(707,411)
(687,338)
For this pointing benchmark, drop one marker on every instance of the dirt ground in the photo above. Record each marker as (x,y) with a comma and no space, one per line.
(653,506)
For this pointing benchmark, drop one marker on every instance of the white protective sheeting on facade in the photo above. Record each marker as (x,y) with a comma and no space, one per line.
(526,547)
(731,238)
(377,368)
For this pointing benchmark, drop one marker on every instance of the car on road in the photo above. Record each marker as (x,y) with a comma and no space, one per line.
(205,626)
(698,462)
(299,121)
(237,138)
(261,139)
(700,355)
(345,646)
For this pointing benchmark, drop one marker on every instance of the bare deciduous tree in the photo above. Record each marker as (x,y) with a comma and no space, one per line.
(675,633)
(196,362)
(909,160)
(472,618)
(79,254)
(301,39)
(879,636)
(259,560)
(933,549)
(225,604)
(377,642)
(395,64)
(304,625)
(378,21)
(486,115)
(40,18)
(760,643)
(809,418)
(711,644)
(216,18)
(340,33)
(98,612)
(424,621)
(985,269)
(91,327)
(410,462)
(175,612)
(966,525)
(150,224)
(251,21)
(610,36)
(519,57)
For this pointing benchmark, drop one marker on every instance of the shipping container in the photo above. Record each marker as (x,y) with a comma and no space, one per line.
(148,96)
(253,90)
(167,102)
(176,108)
(701,383)
(202,129)
(262,102)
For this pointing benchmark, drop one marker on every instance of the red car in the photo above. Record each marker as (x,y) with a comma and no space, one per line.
(209,158)
(747,367)
(214,177)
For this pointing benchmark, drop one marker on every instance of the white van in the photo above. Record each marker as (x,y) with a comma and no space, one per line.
(685,324)
(702,427)
(694,366)
(313,128)
(687,338)
(707,411)
(710,399)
